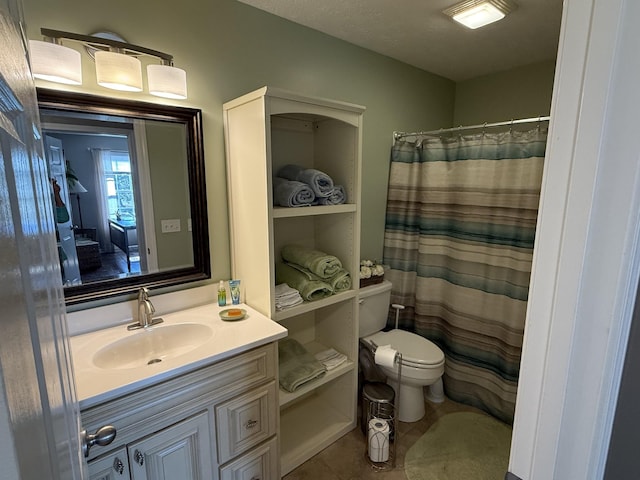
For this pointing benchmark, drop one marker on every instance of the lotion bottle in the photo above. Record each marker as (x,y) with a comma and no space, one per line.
(222,294)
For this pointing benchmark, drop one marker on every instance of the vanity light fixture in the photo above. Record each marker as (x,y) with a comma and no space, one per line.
(54,62)
(478,13)
(118,71)
(117,64)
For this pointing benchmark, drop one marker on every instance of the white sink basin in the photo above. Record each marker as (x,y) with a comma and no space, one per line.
(152,345)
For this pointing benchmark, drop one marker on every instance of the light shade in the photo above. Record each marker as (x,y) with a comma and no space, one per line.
(478,13)
(55,63)
(76,187)
(118,71)
(167,81)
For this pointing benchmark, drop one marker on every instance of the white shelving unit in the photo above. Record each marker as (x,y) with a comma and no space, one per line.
(265,130)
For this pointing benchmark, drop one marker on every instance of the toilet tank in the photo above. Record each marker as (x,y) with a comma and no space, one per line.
(374,307)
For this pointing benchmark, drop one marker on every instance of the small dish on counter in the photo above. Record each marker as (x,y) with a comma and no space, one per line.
(232,314)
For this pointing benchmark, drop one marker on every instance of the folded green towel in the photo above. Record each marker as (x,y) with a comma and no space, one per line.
(296,365)
(320,263)
(309,288)
(339,282)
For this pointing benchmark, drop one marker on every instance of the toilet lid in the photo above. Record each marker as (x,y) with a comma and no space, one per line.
(416,351)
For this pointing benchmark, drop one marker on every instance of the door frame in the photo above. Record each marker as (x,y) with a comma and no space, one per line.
(587,257)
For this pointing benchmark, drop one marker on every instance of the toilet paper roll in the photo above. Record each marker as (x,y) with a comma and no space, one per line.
(385,356)
(378,440)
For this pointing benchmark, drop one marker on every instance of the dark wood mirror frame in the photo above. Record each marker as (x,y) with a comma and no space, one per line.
(192,119)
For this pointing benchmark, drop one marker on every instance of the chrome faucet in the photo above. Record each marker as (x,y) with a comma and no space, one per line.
(145,311)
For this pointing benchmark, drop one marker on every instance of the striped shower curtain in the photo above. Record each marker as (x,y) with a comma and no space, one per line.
(460,226)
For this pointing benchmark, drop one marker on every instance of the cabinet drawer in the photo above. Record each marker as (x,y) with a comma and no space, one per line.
(246,420)
(258,464)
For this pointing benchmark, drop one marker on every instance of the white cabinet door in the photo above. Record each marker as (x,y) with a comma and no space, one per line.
(112,467)
(182,451)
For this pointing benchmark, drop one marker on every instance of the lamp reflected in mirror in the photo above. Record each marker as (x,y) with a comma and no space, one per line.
(76,188)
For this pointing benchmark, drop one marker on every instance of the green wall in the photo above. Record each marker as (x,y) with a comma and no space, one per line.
(170,186)
(228,49)
(523,92)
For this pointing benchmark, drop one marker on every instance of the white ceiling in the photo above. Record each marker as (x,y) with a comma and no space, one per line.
(418,33)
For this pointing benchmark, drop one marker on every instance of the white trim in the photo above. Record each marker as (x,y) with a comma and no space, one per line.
(149,258)
(586,260)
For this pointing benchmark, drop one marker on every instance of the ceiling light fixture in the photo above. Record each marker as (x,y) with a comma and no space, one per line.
(478,13)
(117,65)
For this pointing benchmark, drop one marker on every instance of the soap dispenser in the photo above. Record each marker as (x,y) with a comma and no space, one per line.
(222,294)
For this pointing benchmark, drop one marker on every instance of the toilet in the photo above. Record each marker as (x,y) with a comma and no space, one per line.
(422,360)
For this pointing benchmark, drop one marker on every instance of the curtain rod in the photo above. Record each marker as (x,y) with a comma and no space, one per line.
(399,135)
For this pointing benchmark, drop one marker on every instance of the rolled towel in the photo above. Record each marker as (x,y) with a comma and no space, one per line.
(339,282)
(296,365)
(320,182)
(336,197)
(317,262)
(291,193)
(310,290)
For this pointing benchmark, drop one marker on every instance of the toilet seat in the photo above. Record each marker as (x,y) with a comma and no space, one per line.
(417,351)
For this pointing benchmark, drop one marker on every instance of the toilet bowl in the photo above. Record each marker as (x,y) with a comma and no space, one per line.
(422,365)
(422,361)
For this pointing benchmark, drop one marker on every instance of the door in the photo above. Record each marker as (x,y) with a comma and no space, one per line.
(39,415)
(182,451)
(65,235)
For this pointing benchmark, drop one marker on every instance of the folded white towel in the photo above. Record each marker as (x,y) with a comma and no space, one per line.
(331,358)
(281,305)
(286,296)
(284,290)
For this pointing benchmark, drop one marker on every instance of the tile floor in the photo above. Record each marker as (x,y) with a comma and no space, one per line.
(345,459)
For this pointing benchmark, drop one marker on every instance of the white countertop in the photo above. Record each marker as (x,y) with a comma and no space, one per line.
(96,385)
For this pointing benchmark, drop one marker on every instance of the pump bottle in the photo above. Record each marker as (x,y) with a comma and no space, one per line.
(222,294)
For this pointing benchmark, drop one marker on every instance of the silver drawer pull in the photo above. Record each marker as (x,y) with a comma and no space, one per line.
(138,456)
(249,425)
(118,466)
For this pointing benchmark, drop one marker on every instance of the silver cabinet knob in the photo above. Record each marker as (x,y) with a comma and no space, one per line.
(104,436)
(118,466)
(250,424)
(138,456)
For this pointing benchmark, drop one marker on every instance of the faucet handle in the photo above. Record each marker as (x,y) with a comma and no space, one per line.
(143,294)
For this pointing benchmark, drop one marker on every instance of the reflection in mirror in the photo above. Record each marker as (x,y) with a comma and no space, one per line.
(128,191)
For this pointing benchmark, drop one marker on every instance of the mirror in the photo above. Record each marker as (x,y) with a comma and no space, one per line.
(128,189)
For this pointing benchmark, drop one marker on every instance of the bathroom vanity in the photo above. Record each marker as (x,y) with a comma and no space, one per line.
(193,397)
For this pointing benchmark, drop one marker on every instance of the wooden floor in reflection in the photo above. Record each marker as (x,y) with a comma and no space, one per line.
(114,265)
